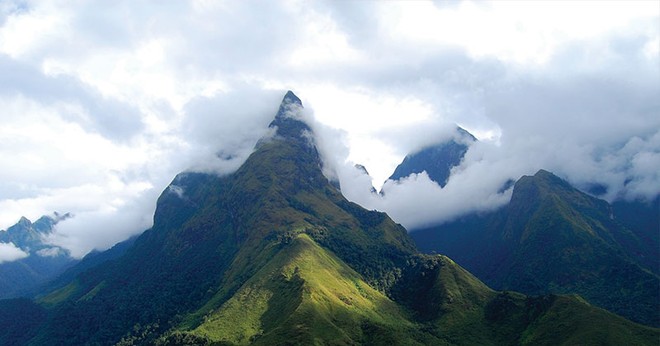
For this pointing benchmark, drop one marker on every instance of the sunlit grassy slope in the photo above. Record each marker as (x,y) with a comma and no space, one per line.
(306,295)
(273,255)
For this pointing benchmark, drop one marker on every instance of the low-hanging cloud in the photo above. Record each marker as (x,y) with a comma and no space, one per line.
(105,103)
(216,136)
(10,252)
(222,130)
(589,119)
(417,201)
(481,182)
(590,129)
(582,129)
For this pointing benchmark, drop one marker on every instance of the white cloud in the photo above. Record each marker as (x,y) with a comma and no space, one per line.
(9,253)
(102,227)
(373,121)
(323,43)
(513,31)
(51,252)
(26,30)
(102,104)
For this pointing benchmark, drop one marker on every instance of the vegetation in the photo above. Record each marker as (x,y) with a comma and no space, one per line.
(552,238)
(303,283)
(23,277)
(273,254)
(642,218)
(20,319)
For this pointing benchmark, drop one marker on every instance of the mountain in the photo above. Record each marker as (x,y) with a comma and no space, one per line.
(28,235)
(552,238)
(91,260)
(43,263)
(273,254)
(642,217)
(437,160)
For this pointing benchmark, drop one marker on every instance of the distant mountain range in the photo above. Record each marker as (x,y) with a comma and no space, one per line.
(273,254)
(43,263)
(553,238)
(436,160)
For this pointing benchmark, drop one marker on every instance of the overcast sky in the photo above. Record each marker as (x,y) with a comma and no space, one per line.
(102,103)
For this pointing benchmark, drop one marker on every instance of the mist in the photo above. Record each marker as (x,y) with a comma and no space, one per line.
(103,105)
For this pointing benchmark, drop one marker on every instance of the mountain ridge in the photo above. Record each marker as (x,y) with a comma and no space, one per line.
(277,249)
(44,261)
(436,160)
(552,238)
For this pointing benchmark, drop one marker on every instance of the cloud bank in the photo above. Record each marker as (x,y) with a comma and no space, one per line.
(9,253)
(103,104)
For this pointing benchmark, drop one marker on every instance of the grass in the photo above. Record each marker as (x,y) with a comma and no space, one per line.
(571,321)
(305,293)
(554,239)
(60,295)
(94,291)
(272,255)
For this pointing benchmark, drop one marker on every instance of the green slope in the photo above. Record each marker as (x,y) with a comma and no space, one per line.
(552,238)
(306,295)
(642,217)
(273,254)
(209,240)
(23,277)
(571,321)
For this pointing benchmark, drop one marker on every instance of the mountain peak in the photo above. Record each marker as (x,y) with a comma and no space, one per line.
(46,223)
(361,168)
(436,160)
(290,97)
(542,173)
(465,135)
(290,106)
(289,121)
(549,193)
(545,180)
(24,221)
(285,258)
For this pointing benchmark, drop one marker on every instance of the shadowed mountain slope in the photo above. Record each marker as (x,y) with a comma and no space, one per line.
(274,254)
(436,160)
(552,238)
(44,261)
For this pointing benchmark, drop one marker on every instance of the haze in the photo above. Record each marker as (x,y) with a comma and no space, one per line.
(104,103)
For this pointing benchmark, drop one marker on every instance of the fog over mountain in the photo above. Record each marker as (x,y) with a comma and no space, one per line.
(102,104)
